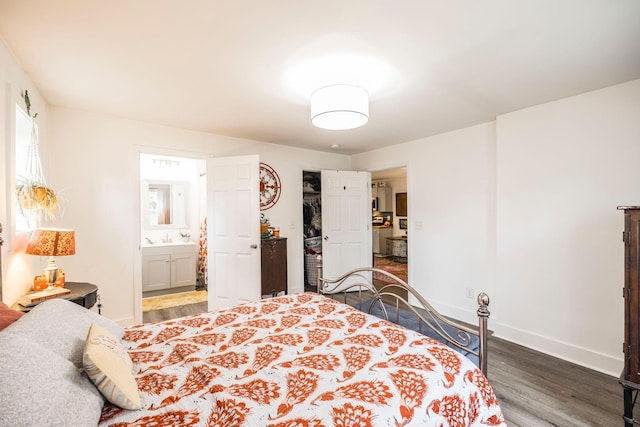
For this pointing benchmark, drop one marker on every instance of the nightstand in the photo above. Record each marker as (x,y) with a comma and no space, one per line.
(84,294)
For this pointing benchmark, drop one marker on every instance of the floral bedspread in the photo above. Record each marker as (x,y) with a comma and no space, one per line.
(299,360)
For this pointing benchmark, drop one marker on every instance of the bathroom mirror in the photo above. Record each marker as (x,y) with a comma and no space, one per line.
(165,204)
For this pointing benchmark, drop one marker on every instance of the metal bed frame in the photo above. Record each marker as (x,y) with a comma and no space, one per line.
(357,284)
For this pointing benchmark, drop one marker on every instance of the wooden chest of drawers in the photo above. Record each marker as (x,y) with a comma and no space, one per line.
(274,265)
(630,377)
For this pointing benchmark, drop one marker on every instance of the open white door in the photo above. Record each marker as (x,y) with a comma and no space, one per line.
(346,221)
(233,233)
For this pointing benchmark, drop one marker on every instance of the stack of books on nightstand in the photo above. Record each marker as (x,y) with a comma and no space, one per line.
(34,298)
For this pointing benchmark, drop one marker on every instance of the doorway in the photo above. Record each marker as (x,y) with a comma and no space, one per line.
(336,207)
(172,231)
(390,222)
(312,226)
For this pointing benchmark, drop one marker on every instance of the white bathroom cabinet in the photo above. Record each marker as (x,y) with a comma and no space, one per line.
(168,266)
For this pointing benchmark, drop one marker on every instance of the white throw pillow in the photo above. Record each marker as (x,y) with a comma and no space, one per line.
(109,367)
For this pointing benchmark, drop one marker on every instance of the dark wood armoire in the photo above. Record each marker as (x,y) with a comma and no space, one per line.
(630,377)
(274,266)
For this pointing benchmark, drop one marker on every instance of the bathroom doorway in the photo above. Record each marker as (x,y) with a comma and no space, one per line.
(172,231)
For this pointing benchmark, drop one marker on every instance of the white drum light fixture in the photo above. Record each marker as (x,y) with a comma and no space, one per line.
(339,107)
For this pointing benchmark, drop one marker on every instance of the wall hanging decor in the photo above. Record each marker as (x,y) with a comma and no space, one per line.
(32,191)
(269,186)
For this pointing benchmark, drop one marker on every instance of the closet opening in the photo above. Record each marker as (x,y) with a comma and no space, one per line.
(312,226)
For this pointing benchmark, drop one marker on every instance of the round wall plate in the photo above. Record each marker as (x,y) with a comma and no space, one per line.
(269,186)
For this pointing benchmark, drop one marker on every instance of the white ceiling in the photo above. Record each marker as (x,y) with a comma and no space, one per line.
(246,68)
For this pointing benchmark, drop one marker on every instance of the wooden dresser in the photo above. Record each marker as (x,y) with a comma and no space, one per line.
(274,265)
(630,377)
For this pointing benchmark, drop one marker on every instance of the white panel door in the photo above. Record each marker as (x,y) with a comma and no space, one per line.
(233,233)
(346,221)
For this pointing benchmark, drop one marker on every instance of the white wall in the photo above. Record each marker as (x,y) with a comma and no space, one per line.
(563,167)
(450,191)
(97,159)
(18,268)
(525,209)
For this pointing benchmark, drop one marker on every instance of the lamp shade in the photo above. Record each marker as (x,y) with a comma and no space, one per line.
(52,242)
(339,107)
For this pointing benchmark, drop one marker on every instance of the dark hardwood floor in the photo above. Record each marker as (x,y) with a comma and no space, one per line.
(174,312)
(534,389)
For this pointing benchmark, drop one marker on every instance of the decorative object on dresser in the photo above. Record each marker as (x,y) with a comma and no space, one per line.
(274,266)
(630,377)
(264,226)
(51,242)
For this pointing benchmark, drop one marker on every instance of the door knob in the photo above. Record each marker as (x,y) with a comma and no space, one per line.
(326,237)
(254,246)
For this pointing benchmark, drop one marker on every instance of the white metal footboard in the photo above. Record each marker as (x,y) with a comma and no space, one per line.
(387,302)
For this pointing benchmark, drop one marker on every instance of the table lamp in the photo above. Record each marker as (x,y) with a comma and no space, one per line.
(51,242)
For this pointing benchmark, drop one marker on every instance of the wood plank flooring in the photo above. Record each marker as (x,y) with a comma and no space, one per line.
(534,389)
(174,312)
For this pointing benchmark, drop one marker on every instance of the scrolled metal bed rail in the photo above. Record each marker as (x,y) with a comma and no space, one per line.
(386,298)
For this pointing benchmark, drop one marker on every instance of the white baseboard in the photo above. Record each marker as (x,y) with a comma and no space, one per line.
(588,358)
(605,363)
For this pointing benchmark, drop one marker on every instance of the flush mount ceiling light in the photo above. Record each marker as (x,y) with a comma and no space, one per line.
(339,107)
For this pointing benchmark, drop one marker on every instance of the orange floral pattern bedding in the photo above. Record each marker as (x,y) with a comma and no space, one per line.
(302,360)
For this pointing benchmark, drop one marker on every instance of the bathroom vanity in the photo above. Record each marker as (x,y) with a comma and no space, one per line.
(169,266)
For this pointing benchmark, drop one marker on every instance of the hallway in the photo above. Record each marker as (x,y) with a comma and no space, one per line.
(390,265)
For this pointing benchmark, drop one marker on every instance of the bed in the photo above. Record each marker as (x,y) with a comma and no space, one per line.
(296,360)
